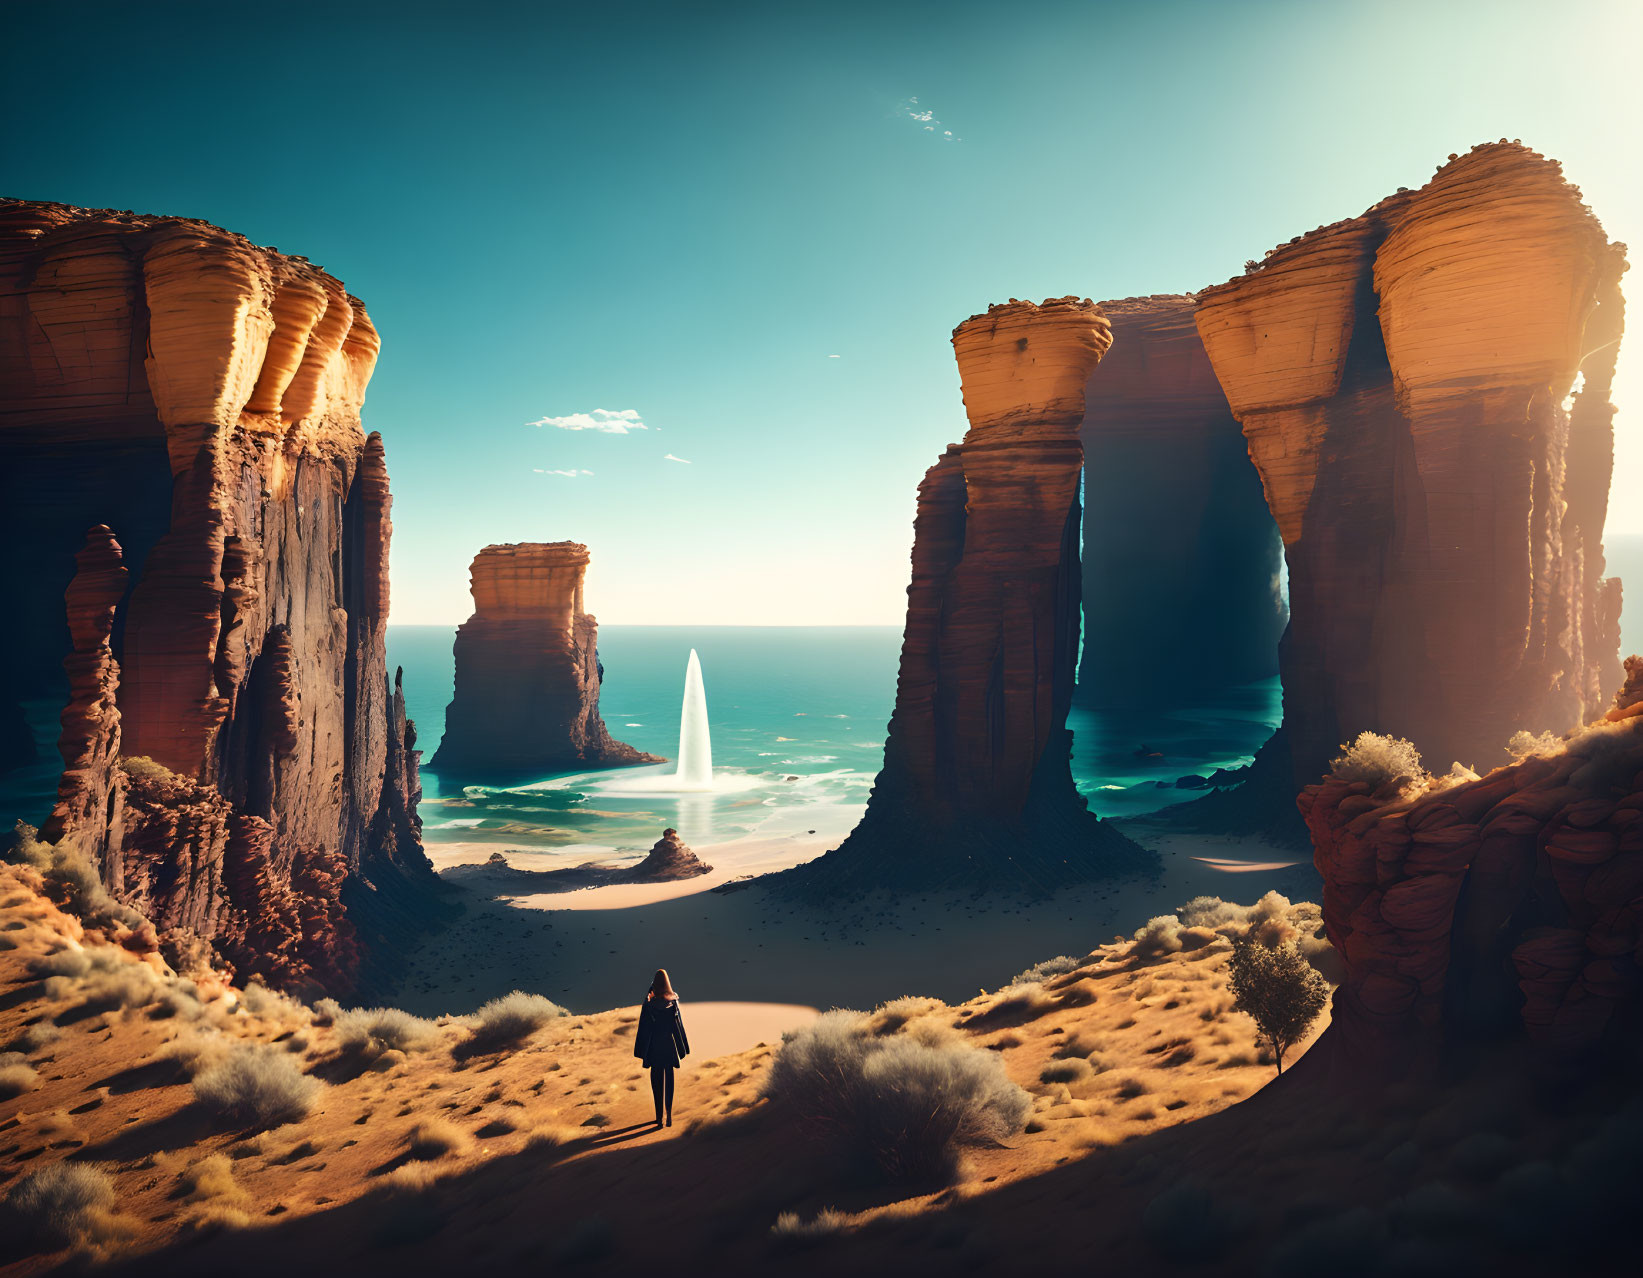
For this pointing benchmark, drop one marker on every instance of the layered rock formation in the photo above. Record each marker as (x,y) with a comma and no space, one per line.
(976,785)
(1507,904)
(1181,557)
(1403,380)
(527,670)
(198,398)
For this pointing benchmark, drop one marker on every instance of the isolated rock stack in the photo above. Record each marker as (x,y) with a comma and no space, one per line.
(1181,557)
(1402,381)
(527,670)
(173,386)
(976,785)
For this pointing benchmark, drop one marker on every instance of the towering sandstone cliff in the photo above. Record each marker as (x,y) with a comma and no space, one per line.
(1404,381)
(527,669)
(976,785)
(1475,910)
(195,401)
(1181,557)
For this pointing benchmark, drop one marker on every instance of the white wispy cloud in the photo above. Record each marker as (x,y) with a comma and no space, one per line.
(670,457)
(926,118)
(568,474)
(609,421)
(832,357)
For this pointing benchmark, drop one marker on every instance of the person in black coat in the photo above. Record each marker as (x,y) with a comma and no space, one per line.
(660,1042)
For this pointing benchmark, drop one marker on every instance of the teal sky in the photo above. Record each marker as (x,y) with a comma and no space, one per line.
(730,221)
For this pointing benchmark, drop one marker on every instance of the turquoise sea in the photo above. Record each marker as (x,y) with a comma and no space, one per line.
(798,719)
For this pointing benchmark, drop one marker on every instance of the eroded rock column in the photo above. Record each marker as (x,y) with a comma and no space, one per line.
(527,670)
(976,784)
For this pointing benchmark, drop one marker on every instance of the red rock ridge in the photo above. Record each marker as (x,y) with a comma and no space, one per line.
(1514,901)
(528,670)
(1403,380)
(976,783)
(250,657)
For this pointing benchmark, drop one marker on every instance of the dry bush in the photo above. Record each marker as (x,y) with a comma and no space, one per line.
(1014,1003)
(510,1019)
(904,1106)
(257,1084)
(1381,762)
(31,1038)
(110,985)
(192,1052)
(434,1138)
(1041,972)
(1166,934)
(371,1031)
(792,1230)
(67,867)
(211,1177)
(67,1205)
(259,1000)
(898,1011)
(16,1075)
(71,961)
(1524,744)
(1073,1069)
(180,999)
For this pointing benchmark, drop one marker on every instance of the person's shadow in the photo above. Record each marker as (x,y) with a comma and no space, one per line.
(618,1135)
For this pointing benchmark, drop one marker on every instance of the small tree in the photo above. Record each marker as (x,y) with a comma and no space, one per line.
(1278,989)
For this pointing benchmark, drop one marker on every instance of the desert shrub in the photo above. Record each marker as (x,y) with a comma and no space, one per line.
(66,866)
(510,1019)
(211,1177)
(792,1230)
(110,984)
(905,1107)
(1185,1223)
(66,1205)
(898,1011)
(435,1138)
(1379,762)
(326,1011)
(31,1038)
(1041,972)
(16,1075)
(1524,744)
(1074,1069)
(256,1084)
(259,1000)
(71,961)
(1015,1003)
(180,999)
(1158,936)
(374,1030)
(192,1053)
(1278,989)
(139,767)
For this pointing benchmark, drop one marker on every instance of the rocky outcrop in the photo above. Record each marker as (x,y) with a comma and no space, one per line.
(976,785)
(1181,557)
(199,398)
(528,671)
(1508,904)
(667,860)
(1403,380)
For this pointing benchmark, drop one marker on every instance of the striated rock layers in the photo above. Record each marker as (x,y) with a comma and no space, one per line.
(976,785)
(1425,392)
(527,670)
(1181,557)
(1504,905)
(237,764)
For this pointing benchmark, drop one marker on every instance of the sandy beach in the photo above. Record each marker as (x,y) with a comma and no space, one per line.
(596,948)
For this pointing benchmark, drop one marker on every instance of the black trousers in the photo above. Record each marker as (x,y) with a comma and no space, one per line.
(661,1087)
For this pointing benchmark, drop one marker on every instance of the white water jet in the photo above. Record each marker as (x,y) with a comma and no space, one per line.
(695,771)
